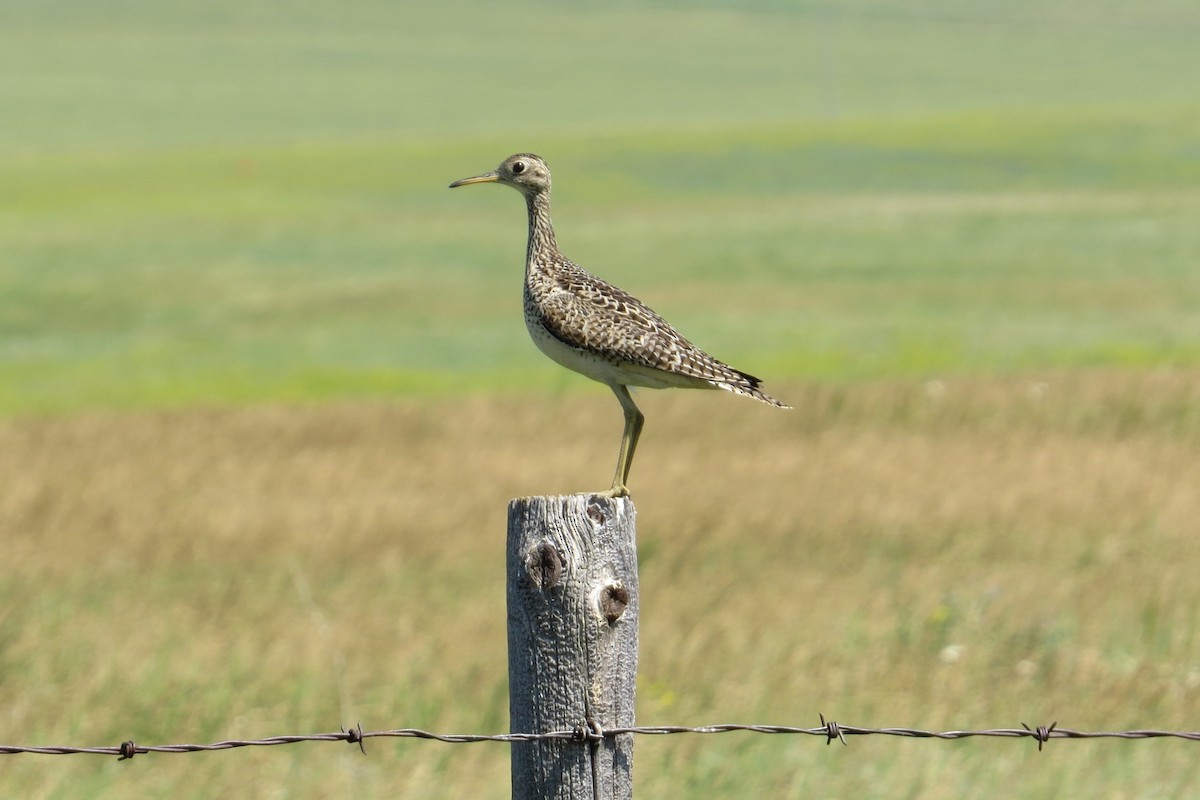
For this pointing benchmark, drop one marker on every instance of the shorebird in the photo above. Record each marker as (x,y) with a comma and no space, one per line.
(598,330)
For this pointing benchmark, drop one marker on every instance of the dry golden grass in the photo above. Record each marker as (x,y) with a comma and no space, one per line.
(971,553)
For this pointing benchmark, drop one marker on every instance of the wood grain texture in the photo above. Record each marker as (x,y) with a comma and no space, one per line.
(572,643)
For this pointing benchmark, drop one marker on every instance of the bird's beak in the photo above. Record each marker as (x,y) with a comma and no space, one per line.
(487,177)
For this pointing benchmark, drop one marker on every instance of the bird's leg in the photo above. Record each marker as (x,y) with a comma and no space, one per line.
(629,439)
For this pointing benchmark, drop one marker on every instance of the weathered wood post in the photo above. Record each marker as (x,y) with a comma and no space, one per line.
(572,644)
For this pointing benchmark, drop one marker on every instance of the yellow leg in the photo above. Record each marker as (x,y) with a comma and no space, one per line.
(629,439)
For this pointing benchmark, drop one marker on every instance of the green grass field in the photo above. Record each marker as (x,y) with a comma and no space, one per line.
(265,390)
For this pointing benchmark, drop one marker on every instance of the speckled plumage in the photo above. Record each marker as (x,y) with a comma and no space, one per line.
(597,329)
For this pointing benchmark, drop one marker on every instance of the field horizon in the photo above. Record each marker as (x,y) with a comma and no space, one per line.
(173,236)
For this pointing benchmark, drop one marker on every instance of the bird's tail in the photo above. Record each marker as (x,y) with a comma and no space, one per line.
(748,386)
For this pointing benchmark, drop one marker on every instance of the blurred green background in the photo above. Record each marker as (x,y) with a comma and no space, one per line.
(220,202)
(265,388)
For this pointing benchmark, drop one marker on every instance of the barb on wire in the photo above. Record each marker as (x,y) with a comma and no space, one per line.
(355,736)
(1041,733)
(832,731)
(586,733)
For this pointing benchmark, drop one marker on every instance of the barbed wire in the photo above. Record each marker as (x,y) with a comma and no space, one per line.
(592,732)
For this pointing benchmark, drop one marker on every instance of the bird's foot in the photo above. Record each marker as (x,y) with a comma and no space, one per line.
(617,490)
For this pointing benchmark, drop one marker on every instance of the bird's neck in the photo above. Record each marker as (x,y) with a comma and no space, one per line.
(541,230)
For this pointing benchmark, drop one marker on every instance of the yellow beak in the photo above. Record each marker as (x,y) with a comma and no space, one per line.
(487,177)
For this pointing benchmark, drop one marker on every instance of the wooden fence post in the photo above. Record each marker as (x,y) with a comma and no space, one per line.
(572,643)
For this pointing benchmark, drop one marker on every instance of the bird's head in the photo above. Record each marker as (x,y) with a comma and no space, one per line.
(525,172)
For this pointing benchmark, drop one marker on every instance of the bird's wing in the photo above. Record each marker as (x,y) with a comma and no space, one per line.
(588,313)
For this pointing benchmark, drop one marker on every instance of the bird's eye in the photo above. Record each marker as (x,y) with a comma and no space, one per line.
(518,167)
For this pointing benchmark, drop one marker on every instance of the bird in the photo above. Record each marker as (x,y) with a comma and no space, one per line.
(598,330)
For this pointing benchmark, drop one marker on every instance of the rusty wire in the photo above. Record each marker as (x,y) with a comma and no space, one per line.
(590,732)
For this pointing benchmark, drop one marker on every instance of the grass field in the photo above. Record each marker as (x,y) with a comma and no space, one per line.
(264,389)
(978,555)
